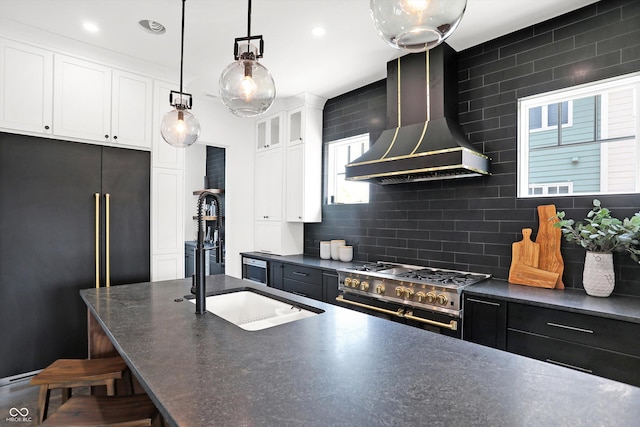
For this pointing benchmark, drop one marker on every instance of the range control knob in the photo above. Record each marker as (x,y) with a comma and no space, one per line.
(422,297)
(431,297)
(355,283)
(400,291)
(380,289)
(347,282)
(408,293)
(364,286)
(442,299)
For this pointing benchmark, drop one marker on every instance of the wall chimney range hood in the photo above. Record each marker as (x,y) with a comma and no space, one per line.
(423,141)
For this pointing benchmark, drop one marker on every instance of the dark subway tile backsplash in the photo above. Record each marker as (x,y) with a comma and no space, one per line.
(470,224)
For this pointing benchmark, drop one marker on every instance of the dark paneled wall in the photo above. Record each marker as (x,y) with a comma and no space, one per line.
(470,224)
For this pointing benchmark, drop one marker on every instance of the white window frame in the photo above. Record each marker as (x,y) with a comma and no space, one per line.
(332,169)
(542,100)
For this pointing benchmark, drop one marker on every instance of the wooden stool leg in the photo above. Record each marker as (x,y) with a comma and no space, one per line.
(111,389)
(43,402)
(131,382)
(66,394)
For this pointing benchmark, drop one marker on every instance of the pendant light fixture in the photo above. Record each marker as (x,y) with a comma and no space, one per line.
(246,87)
(179,127)
(416,25)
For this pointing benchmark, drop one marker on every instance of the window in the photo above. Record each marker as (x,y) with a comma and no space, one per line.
(342,152)
(596,150)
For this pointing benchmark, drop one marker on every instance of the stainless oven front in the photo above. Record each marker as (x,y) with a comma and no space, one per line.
(255,270)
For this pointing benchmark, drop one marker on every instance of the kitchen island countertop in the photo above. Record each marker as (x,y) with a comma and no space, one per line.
(339,368)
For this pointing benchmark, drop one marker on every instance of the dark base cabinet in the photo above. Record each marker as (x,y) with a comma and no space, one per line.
(303,281)
(588,343)
(329,287)
(276,274)
(485,321)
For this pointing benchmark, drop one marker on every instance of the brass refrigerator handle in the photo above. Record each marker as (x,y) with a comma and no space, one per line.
(452,325)
(107,242)
(97,239)
(398,313)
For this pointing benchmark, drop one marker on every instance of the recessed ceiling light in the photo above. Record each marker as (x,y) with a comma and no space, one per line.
(90,27)
(152,26)
(318,31)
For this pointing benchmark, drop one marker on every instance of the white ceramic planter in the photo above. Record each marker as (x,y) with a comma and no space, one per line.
(598,277)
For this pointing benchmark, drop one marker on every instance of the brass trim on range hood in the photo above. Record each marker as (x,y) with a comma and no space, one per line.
(425,143)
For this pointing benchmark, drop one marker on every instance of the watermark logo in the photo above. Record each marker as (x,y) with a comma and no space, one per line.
(18,415)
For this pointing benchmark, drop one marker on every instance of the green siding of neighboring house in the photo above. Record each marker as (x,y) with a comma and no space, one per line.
(553,163)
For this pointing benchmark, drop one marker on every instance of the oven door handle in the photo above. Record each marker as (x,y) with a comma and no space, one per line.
(399,313)
(452,325)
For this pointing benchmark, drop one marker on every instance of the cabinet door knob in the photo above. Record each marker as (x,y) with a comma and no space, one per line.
(106,137)
(115,137)
(47,127)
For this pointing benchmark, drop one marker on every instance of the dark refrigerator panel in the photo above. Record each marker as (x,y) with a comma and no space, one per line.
(48,246)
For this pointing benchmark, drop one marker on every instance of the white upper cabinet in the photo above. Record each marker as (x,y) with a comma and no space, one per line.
(270,132)
(94,102)
(131,109)
(26,87)
(82,99)
(296,121)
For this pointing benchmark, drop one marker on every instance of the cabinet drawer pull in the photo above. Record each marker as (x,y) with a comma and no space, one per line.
(573,328)
(483,302)
(297,273)
(566,365)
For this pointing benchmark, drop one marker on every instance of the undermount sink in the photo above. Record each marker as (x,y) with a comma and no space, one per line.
(253,311)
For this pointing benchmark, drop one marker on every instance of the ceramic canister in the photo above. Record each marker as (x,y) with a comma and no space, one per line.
(346,253)
(335,248)
(325,250)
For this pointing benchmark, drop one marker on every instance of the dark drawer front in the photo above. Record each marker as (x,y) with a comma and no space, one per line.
(595,331)
(303,274)
(301,288)
(599,362)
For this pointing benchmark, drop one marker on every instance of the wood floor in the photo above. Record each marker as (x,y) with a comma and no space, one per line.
(15,397)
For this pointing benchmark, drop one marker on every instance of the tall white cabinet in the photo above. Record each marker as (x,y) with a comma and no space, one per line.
(288,175)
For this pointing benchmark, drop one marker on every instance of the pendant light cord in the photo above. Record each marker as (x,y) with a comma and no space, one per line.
(182,49)
(249,20)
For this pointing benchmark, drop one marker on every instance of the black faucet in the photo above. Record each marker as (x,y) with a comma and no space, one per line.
(200,286)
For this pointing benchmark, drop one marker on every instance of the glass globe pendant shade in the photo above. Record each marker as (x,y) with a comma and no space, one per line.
(416,25)
(180,128)
(246,87)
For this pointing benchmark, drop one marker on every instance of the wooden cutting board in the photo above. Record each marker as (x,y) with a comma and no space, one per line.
(522,274)
(525,251)
(549,238)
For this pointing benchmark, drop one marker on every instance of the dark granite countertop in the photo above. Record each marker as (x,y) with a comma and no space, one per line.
(305,260)
(618,307)
(339,368)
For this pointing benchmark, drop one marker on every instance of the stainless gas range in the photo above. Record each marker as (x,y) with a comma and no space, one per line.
(420,296)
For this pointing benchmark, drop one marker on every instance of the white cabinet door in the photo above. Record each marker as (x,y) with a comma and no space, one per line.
(82,99)
(296,123)
(268,237)
(26,87)
(295,183)
(268,185)
(131,109)
(167,221)
(270,132)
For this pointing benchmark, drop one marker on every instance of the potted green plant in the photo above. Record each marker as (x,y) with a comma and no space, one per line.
(601,235)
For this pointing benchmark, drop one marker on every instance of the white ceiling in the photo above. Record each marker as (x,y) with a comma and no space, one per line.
(348,56)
